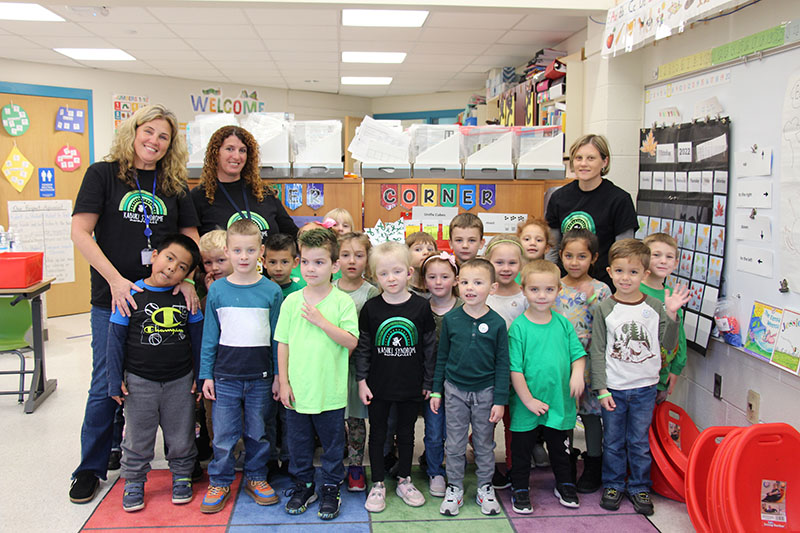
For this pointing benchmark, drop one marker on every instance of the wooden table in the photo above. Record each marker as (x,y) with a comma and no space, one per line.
(41,387)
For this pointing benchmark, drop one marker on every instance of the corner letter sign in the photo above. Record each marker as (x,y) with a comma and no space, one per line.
(294,195)
(466,196)
(388,196)
(408,196)
(486,195)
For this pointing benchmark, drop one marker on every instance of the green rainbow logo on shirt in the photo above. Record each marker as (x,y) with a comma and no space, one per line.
(260,221)
(131,205)
(578,220)
(396,332)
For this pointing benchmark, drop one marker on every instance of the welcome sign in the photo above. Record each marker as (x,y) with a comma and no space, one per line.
(213,101)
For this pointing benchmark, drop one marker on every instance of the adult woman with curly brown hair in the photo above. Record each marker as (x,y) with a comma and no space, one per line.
(231,187)
(125,206)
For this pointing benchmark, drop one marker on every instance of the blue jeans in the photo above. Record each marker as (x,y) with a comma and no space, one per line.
(435,434)
(98,419)
(625,440)
(329,427)
(240,400)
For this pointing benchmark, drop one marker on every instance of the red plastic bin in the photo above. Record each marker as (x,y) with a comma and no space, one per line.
(716,504)
(20,269)
(667,481)
(703,450)
(676,450)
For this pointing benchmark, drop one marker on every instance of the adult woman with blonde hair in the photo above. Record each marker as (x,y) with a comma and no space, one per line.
(126,205)
(231,187)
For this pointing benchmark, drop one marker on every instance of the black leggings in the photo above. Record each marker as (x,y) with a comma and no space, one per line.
(559,447)
(378,419)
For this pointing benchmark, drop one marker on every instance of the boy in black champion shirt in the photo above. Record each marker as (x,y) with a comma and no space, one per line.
(158,348)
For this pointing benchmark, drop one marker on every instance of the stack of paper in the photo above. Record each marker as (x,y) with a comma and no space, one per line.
(380,141)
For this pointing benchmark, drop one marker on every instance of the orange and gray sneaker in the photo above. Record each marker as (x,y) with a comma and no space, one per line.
(215,499)
(261,492)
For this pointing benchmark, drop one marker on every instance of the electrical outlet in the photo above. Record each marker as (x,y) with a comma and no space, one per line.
(717,386)
(753,404)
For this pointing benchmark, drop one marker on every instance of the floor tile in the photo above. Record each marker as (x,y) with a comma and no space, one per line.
(333,525)
(584,524)
(457,524)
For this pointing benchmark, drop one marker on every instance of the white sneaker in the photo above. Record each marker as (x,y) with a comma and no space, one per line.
(487,501)
(453,500)
(437,486)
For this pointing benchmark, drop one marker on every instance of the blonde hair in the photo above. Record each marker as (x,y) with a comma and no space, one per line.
(664,238)
(212,241)
(397,250)
(539,266)
(172,167)
(245,227)
(630,249)
(420,237)
(599,142)
(504,238)
(341,215)
(250,173)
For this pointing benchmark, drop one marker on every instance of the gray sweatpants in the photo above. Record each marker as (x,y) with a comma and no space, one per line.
(148,405)
(462,409)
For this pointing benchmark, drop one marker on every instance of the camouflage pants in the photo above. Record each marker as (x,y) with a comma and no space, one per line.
(356,440)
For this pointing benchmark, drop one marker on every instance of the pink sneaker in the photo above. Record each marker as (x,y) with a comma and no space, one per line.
(376,500)
(409,493)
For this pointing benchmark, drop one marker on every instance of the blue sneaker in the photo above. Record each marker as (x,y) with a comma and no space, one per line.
(133,496)
(181,489)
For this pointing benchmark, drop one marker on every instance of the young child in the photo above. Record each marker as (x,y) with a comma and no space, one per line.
(579,295)
(158,349)
(421,245)
(534,234)
(316,332)
(353,256)
(343,219)
(472,373)
(280,259)
(547,362)
(663,260)
(466,236)
(440,273)
(238,366)
(628,331)
(215,263)
(394,366)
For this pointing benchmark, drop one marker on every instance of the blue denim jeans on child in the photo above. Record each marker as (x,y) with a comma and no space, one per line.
(625,439)
(238,401)
(98,419)
(435,435)
(329,426)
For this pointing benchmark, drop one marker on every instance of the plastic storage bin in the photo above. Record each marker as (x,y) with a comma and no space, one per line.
(697,472)
(20,269)
(677,433)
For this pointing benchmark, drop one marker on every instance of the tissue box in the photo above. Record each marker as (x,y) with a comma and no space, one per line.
(20,269)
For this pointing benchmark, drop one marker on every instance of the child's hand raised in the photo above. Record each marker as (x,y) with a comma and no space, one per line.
(537,407)
(496,415)
(676,300)
(364,393)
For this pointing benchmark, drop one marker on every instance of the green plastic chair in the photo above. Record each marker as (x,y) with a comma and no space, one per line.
(14,323)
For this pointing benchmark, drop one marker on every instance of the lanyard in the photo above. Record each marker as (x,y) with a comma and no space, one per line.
(244,197)
(147,231)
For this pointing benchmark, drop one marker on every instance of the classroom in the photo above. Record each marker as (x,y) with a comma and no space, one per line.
(697,102)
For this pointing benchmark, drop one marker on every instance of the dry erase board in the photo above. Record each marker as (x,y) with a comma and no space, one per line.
(762,99)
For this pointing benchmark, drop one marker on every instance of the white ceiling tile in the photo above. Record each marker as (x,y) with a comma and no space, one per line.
(450,48)
(308,66)
(233,45)
(214,31)
(416,88)
(376,46)
(549,22)
(512,50)
(196,13)
(284,45)
(8,43)
(115,14)
(476,68)
(321,86)
(534,37)
(461,20)
(122,66)
(43,29)
(470,76)
(128,43)
(133,31)
(193,74)
(167,55)
(293,17)
(166,64)
(254,79)
(446,70)
(328,33)
(71,42)
(462,85)
(448,62)
(474,35)
(500,61)
(312,57)
(40,55)
(232,64)
(351,33)
(224,54)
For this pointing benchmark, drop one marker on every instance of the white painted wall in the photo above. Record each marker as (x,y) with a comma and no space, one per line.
(423,102)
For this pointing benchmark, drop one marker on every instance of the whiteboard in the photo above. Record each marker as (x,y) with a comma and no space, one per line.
(752,95)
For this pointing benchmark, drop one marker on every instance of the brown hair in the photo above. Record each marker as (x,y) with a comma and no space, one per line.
(665,238)
(320,238)
(480,264)
(250,173)
(466,221)
(539,266)
(420,237)
(630,249)
(363,240)
(599,142)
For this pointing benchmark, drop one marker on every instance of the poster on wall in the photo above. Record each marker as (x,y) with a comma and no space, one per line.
(678,195)
(126,105)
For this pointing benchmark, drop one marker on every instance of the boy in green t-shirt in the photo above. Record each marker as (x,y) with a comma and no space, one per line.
(663,261)
(316,331)
(547,363)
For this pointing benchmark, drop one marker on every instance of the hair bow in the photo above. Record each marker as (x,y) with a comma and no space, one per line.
(328,223)
(444,256)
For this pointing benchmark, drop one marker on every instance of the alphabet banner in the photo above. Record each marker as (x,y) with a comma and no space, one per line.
(429,195)
(486,196)
(408,196)
(449,194)
(466,197)
(315,193)
(294,195)
(389,196)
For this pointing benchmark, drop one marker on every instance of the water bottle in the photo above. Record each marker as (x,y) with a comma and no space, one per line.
(3,240)
(13,242)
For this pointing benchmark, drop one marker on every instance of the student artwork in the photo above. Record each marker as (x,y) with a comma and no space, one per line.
(786,354)
(17,169)
(714,271)
(765,321)
(72,120)
(695,296)
(703,238)
(641,233)
(700,268)
(671,282)
(677,232)
(388,196)
(294,195)
(15,120)
(685,269)
(654,225)
(666,226)
(717,240)
(315,195)
(689,235)
(718,215)
(68,158)
(380,233)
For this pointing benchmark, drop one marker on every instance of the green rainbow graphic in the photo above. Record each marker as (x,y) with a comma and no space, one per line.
(260,221)
(396,326)
(578,220)
(131,203)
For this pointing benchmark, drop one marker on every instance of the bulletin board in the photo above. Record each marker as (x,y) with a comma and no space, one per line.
(762,220)
(59,123)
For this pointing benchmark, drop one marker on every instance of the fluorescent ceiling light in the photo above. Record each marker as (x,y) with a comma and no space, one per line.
(373,57)
(365,80)
(384,17)
(20,11)
(96,54)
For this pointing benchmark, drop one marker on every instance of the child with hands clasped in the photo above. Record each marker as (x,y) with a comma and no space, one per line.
(628,331)
(316,333)
(472,374)
(353,256)
(580,293)
(238,365)
(547,362)
(394,367)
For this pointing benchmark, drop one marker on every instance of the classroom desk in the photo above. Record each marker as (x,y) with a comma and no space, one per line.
(41,387)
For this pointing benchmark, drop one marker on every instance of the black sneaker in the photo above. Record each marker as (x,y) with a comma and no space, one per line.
(329,502)
(83,488)
(641,502)
(301,496)
(500,480)
(114,459)
(567,495)
(611,499)
(521,501)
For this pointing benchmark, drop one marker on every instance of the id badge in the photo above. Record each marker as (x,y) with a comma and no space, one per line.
(147,256)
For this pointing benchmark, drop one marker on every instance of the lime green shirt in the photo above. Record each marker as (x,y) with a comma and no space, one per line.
(544,354)
(673,362)
(317,366)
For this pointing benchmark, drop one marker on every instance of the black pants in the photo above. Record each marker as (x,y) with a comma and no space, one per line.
(559,446)
(378,418)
